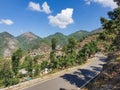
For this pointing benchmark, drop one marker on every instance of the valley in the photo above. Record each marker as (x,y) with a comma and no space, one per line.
(81,60)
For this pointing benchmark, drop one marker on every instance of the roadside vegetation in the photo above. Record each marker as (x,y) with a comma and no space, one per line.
(22,67)
(109,78)
(60,58)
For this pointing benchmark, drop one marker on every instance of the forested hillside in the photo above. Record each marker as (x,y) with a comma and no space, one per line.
(29,41)
(109,78)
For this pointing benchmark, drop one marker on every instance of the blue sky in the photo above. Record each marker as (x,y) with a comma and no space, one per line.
(45,17)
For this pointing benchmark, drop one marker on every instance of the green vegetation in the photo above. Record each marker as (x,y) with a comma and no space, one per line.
(111,38)
(79,35)
(63,58)
(29,65)
(96,31)
(111,33)
(54,43)
(44,65)
(67,56)
(15,60)
(29,41)
(62,39)
(88,50)
(6,75)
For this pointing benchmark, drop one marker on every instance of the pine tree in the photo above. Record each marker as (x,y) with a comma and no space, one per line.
(54,42)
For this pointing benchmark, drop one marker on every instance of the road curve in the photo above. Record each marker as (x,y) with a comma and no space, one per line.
(75,79)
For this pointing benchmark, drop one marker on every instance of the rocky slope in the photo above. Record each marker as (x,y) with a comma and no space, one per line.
(27,40)
(8,44)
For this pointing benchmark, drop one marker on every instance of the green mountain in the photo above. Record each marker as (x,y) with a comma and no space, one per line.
(28,40)
(8,44)
(62,39)
(79,34)
(98,30)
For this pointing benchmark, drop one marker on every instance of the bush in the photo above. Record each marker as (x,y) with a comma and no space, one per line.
(15,81)
(10,81)
(37,71)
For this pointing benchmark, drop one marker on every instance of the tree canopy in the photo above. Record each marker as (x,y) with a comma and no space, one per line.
(54,42)
(16,59)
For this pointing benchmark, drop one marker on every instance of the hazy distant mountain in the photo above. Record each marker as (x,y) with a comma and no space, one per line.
(8,44)
(79,34)
(62,39)
(98,30)
(28,36)
(28,40)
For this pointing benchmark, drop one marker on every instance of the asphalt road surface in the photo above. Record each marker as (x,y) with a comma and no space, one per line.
(73,80)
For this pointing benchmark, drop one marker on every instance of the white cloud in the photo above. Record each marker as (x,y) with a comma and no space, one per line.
(34,6)
(6,21)
(46,8)
(62,19)
(105,3)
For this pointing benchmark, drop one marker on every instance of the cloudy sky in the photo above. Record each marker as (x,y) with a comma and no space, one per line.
(45,17)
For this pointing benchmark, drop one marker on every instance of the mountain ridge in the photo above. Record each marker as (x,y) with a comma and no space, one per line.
(29,40)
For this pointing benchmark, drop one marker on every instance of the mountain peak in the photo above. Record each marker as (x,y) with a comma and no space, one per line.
(82,31)
(58,33)
(6,34)
(28,33)
(29,36)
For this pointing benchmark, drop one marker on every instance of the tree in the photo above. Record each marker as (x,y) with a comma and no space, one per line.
(44,65)
(88,50)
(54,42)
(37,70)
(71,44)
(111,28)
(29,65)
(7,75)
(61,62)
(67,61)
(56,63)
(36,58)
(52,59)
(5,68)
(69,55)
(15,60)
